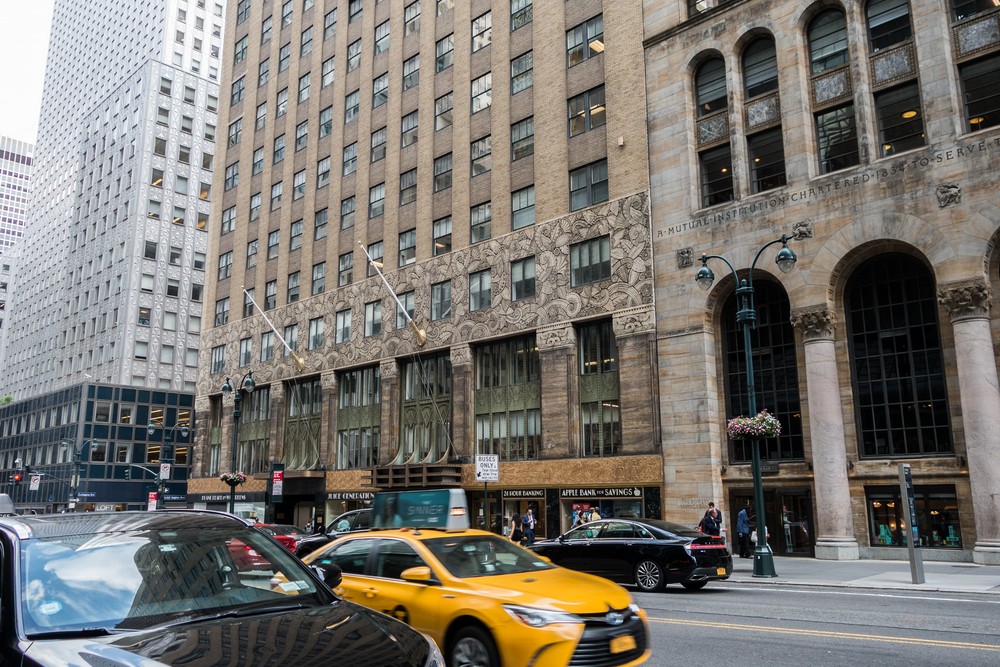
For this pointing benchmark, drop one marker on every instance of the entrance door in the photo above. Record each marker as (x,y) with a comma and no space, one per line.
(795,527)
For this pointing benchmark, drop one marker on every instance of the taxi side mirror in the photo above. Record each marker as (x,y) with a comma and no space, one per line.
(421,574)
(330,573)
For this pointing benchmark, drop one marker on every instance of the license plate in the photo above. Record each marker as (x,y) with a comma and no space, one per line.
(721,571)
(622,644)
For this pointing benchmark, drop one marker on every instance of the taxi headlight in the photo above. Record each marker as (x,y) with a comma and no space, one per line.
(538,618)
(634,608)
(434,656)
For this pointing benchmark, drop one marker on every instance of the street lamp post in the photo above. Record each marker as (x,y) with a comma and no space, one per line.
(246,384)
(167,455)
(78,451)
(746,315)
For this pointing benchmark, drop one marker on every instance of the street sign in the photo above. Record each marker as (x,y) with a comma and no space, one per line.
(487,467)
(151,499)
(36,482)
(164,471)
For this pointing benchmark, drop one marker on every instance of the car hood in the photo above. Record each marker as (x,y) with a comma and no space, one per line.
(548,589)
(341,633)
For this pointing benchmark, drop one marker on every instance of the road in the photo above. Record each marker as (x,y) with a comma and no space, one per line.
(746,624)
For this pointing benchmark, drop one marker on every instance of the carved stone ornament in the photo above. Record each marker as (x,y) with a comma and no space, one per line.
(387,369)
(634,321)
(802,230)
(948,194)
(685,258)
(550,338)
(815,322)
(461,354)
(966,298)
(328,382)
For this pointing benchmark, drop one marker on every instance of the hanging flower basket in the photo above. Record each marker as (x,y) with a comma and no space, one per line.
(233,478)
(761,426)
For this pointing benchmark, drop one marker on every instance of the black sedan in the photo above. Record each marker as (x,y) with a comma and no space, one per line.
(646,552)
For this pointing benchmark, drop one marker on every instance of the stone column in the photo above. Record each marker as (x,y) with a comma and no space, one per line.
(834,530)
(560,401)
(968,303)
(635,330)
(201,440)
(389,378)
(276,427)
(463,412)
(328,421)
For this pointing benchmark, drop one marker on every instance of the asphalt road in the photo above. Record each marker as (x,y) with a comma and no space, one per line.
(746,624)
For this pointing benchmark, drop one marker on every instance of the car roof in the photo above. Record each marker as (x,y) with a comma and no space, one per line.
(656,524)
(61,525)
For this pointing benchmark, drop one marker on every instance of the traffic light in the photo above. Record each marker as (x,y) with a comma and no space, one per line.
(17,478)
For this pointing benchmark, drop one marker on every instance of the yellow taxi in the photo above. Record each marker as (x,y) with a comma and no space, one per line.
(486,601)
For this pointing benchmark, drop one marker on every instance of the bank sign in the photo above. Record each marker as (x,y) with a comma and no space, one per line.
(603,492)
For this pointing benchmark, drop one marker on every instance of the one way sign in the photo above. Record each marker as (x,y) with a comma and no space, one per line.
(487,467)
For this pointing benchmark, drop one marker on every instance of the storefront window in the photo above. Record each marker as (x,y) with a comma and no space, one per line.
(937,517)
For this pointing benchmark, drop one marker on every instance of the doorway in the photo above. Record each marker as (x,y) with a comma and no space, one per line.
(789,518)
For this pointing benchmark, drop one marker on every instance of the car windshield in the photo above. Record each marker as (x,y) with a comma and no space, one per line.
(483,555)
(138,579)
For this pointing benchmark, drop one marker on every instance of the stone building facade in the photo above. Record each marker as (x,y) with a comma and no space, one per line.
(869,134)
(491,157)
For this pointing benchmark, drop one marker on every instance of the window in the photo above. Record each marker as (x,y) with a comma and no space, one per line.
(710,83)
(150,250)
(482,92)
(252,254)
(291,336)
(273,241)
(375,251)
(255,206)
(221,312)
(303,87)
(156,178)
(286,14)
(350,160)
(586,111)
(248,302)
(319,224)
(480,221)
(270,295)
(267,346)
(522,279)
(351,102)
(180,185)
(836,138)
(716,166)
(588,185)
(199,261)
(276,195)
(590,261)
(175,256)
(315,333)
(293,288)
(327,72)
(301,135)
(232,176)
(318,278)
(479,290)
(482,31)
(980,83)
(411,18)
(306,41)
(767,160)
(411,72)
(325,122)
(282,104)
(240,52)
(760,68)
(323,172)
(378,145)
(163,117)
(443,53)
(444,5)
(343,332)
(441,300)
(242,11)
(373,318)
(442,173)
(888,23)
(521,73)
(225,265)
(284,56)
(295,235)
(523,207)
(228,221)
(354,10)
(236,91)
(827,41)
(442,236)
(585,41)
(408,131)
(141,350)
(408,247)
(376,201)
(522,138)
(404,316)
(345,269)
(353,55)
(481,154)
(279,149)
(381,37)
(147,283)
(196,292)
(235,131)
(442,111)
(520,14)
(347,208)
(330,24)
(408,187)
(218,358)
(380,90)
(266,28)
(900,122)
(261,120)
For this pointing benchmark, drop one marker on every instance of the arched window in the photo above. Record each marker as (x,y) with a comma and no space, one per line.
(711,85)
(776,376)
(900,397)
(828,41)
(765,142)
(963,9)
(836,128)
(715,158)
(888,23)
(760,67)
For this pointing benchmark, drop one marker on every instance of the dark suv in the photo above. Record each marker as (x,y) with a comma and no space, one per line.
(348,522)
(163,588)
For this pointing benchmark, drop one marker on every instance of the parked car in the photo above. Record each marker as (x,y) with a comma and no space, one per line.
(485,600)
(288,535)
(348,522)
(163,588)
(648,553)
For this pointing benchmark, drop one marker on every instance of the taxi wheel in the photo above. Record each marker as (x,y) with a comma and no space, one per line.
(473,647)
(649,576)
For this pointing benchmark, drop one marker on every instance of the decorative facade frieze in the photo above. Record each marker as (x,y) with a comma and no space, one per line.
(461,354)
(634,321)
(388,369)
(554,337)
(965,299)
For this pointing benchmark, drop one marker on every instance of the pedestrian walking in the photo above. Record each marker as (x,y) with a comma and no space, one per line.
(743,532)
(710,525)
(528,526)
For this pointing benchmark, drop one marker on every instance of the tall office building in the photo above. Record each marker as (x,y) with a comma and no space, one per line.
(16,159)
(109,282)
(869,134)
(491,158)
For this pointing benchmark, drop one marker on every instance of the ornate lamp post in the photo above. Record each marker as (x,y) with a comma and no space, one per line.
(167,455)
(746,315)
(246,384)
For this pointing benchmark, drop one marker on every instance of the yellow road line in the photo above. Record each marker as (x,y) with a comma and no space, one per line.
(828,634)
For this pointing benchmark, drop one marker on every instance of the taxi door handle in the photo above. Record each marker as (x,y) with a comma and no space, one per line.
(371,592)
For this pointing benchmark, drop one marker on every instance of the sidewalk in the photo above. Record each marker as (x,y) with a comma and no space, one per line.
(883,574)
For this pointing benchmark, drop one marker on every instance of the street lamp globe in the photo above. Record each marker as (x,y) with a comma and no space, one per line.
(705,277)
(785,259)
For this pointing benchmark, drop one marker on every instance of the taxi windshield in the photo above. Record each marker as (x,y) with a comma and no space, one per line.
(138,579)
(467,556)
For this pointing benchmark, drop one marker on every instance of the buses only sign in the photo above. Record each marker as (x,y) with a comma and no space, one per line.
(487,467)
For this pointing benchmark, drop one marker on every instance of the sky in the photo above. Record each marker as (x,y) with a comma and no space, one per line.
(24,40)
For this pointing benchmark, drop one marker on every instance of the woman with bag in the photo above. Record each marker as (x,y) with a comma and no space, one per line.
(516,536)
